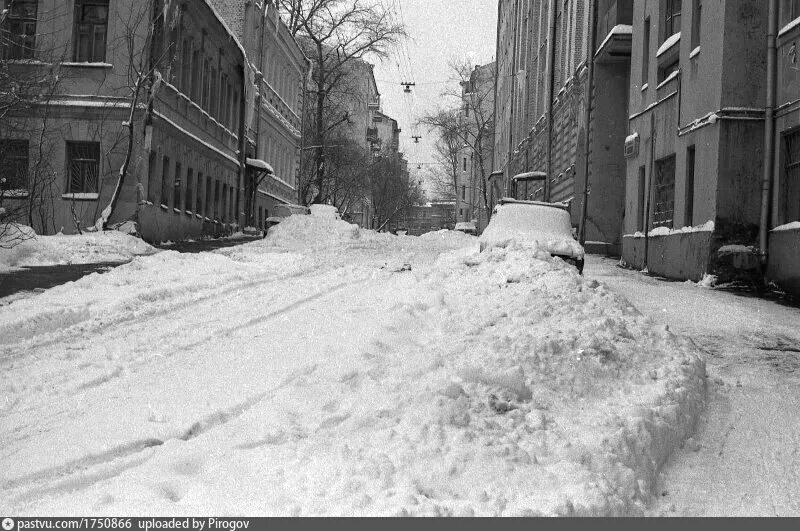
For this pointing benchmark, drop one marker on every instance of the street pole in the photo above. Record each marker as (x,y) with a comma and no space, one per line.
(587,140)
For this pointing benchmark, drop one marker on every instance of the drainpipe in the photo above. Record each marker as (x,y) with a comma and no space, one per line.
(587,141)
(649,188)
(509,165)
(551,59)
(495,128)
(769,132)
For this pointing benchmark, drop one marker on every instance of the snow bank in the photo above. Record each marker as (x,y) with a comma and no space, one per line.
(266,380)
(795,225)
(708,226)
(109,246)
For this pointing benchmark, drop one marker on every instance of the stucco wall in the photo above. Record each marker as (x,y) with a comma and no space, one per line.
(784,260)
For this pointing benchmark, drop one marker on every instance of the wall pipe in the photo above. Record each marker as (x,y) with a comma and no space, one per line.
(769,132)
(551,59)
(587,140)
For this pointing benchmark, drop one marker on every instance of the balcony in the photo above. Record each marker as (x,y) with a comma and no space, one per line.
(614,31)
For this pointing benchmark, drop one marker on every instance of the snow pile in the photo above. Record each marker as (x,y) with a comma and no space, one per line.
(262,381)
(91,247)
(322,228)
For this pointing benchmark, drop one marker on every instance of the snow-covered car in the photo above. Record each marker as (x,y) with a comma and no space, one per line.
(547,224)
(467,227)
(281,212)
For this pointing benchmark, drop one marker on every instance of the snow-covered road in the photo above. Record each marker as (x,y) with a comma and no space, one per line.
(745,460)
(323,371)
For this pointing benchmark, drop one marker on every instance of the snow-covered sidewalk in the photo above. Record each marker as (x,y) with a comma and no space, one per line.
(327,370)
(744,461)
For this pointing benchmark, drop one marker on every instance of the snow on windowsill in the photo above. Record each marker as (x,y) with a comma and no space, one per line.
(10,194)
(694,53)
(645,86)
(789,27)
(708,226)
(632,137)
(165,207)
(794,225)
(81,196)
(668,44)
(87,64)
(669,78)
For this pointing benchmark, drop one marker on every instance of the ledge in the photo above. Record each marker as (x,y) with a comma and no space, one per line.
(76,64)
(81,197)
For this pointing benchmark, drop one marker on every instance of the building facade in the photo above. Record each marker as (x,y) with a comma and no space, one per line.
(783,252)
(696,124)
(181,138)
(477,124)
(541,98)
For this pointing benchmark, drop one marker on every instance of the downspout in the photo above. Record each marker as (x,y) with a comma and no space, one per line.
(253,192)
(551,58)
(649,189)
(242,144)
(587,142)
(303,111)
(495,129)
(769,132)
(509,165)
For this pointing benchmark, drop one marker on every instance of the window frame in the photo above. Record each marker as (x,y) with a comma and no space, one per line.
(670,16)
(78,21)
(664,193)
(20,44)
(71,160)
(19,163)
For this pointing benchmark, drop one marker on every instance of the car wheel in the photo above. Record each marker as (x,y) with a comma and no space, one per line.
(579,265)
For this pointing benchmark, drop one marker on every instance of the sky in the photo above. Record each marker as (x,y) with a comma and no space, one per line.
(439,30)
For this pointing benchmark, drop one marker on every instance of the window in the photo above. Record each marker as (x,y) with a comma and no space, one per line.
(198,209)
(83,163)
(465,164)
(206,84)
(186,65)
(188,200)
(176,193)
(790,10)
(209,194)
(13,164)
(640,221)
(91,24)
(224,213)
(791,145)
(672,18)
(664,204)
(151,178)
(646,52)
(688,219)
(697,17)
(231,213)
(197,67)
(165,181)
(260,217)
(668,69)
(216,199)
(19,30)
(223,107)
(463,192)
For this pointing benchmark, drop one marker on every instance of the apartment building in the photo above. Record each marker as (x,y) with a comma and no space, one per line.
(477,118)
(541,99)
(187,169)
(783,239)
(696,124)
(274,122)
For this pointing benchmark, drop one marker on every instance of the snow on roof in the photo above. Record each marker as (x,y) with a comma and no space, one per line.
(530,176)
(258,163)
(619,29)
(669,43)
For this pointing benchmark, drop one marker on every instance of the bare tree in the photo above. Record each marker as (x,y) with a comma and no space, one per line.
(335,35)
(467,128)
(150,57)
